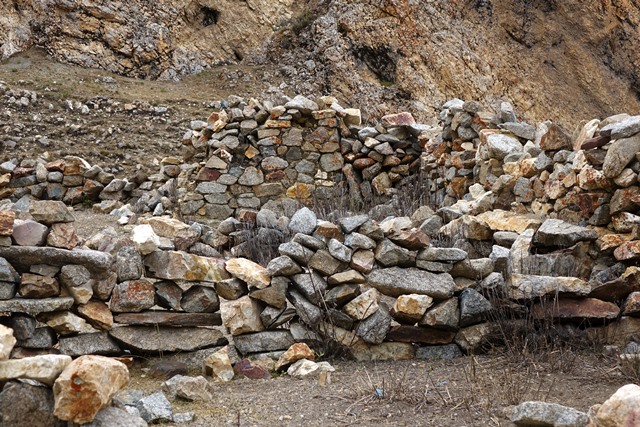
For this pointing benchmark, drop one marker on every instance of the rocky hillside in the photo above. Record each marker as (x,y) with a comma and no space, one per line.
(569,59)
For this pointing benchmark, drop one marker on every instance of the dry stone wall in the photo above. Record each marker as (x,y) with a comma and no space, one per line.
(431,284)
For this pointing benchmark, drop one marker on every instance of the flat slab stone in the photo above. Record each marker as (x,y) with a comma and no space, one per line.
(174,265)
(414,334)
(261,342)
(555,232)
(98,343)
(396,281)
(169,318)
(23,257)
(524,286)
(36,306)
(154,340)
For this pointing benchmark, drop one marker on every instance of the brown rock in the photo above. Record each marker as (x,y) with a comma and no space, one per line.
(97,313)
(218,365)
(253,371)
(169,319)
(63,235)
(6,222)
(628,250)
(36,286)
(411,308)
(631,306)
(576,309)
(86,386)
(414,334)
(49,212)
(166,369)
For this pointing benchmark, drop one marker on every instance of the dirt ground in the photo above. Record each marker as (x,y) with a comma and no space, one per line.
(471,391)
(108,134)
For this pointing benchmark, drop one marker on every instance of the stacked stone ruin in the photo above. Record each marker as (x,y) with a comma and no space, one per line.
(530,224)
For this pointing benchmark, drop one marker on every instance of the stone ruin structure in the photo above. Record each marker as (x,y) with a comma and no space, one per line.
(529,224)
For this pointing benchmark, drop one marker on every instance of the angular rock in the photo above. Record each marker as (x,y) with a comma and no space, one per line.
(624,128)
(438,352)
(116,417)
(248,271)
(576,309)
(312,285)
(310,314)
(155,408)
(189,388)
(500,145)
(128,264)
(200,299)
(86,386)
(554,232)
(242,316)
(7,341)
(49,212)
(282,266)
(262,342)
(97,314)
(246,368)
(303,221)
(323,262)
(218,365)
(363,306)
(547,414)
(411,308)
(619,155)
(621,409)
(400,281)
(7,272)
(173,265)
(474,338)
(339,251)
(66,323)
(29,233)
(77,280)
(293,354)
(133,296)
(526,286)
(374,328)
(167,339)
(45,368)
(275,295)
(26,405)
(363,261)
(36,286)
(96,343)
(389,254)
(296,251)
(231,289)
(442,254)
(473,307)
(63,235)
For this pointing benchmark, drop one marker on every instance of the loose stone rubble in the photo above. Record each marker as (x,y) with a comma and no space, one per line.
(519,215)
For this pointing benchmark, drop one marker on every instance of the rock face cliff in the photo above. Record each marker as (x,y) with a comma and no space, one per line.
(564,59)
(141,38)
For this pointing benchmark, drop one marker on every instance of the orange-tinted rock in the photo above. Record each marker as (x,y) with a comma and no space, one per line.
(627,250)
(97,313)
(251,370)
(132,296)
(6,222)
(294,353)
(86,386)
(63,235)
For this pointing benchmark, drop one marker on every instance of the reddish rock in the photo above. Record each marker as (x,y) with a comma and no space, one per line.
(578,309)
(132,296)
(628,250)
(55,166)
(275,176)
(251,370)
(400,119)
(555,139)
(411,239)
(208,174)
(63,235)
(92,189)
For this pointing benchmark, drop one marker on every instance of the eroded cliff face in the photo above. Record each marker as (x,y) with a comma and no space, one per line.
(566,60)
(141,38)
